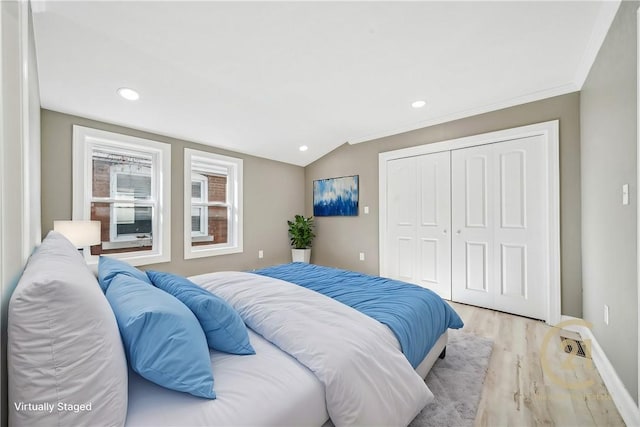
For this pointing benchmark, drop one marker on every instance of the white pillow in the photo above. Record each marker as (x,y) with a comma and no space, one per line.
(64,347)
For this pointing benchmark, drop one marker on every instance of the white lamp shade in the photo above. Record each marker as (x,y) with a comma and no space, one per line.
(80,233)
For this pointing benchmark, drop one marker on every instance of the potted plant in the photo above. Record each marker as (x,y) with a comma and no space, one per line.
(301,234)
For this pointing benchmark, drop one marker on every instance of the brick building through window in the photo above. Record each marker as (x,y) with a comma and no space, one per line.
(124,182)
(209,220)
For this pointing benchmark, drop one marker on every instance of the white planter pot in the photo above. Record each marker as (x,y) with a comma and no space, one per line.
(301,255)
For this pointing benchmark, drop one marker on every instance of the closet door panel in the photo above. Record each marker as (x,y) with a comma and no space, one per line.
(476,190)
(476,266)
(434,223)
(472,277)
(428,261)
(513,192)
(401,219)
(521,227)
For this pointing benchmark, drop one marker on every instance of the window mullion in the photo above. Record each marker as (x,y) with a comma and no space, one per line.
(218,204)
(145,202)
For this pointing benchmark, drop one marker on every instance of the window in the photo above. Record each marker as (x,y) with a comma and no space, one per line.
(130,220)
(123,182)
(212,204)
(199,211)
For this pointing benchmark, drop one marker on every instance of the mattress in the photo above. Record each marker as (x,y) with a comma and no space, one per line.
(269,388)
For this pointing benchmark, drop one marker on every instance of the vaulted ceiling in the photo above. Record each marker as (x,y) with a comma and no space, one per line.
(268,77)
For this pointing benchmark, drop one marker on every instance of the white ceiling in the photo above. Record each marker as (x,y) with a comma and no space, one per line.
(266,77)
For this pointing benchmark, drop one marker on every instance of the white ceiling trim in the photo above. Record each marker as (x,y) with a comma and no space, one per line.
(531,97)
(608,12)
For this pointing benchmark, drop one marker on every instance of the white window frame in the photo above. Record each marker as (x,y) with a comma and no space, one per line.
(84,141)
(113,226)
(200,204)
(232,168)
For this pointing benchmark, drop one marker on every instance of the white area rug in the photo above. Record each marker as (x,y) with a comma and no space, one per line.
(456,381)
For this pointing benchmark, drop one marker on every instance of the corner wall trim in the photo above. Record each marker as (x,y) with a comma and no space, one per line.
(638,182)
(621,398)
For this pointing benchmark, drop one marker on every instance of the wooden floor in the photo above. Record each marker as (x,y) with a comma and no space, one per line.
(530,383)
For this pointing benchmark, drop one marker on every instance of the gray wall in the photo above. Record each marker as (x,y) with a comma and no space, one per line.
(608,111)
(273,193)
(19,164)
(341,239)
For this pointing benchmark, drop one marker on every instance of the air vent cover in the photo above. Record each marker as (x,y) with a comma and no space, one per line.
(574,346)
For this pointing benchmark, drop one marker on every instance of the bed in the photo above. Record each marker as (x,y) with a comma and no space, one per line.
(316,357)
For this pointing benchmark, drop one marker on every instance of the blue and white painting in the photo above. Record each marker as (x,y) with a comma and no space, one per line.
(336,196)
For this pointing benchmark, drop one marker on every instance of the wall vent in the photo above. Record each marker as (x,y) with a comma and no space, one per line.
(574,346)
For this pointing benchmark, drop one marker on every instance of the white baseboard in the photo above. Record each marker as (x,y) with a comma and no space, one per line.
(621,398)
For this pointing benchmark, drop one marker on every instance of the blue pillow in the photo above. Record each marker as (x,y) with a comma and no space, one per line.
(162,339)
(222,325)
(108,268)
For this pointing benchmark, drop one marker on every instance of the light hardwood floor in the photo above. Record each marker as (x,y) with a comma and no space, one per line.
(529,383)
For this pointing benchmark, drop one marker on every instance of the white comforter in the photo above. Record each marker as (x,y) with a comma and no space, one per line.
(368,381)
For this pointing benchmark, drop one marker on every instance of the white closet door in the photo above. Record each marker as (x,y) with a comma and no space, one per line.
(434,223)
(521,227)
(401,219)
(499,216)
(418,221)
(472,223)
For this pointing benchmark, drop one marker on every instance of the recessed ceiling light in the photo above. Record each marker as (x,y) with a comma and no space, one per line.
(303,148)
(418,104)
(128,94)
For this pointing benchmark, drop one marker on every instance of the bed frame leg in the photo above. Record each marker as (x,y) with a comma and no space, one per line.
(444,353)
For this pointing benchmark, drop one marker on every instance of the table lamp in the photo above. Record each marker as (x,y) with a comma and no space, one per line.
(80,233)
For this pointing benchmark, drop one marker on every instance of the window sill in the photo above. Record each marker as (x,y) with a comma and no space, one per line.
(136,243)
(198,239)
(210,250)
(133,258)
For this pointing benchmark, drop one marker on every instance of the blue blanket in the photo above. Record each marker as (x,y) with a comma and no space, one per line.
(417,316)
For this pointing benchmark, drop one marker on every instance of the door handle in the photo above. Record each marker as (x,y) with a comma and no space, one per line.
(459,231)
(444,231)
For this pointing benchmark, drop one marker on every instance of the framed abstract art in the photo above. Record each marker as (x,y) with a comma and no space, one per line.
(336,196)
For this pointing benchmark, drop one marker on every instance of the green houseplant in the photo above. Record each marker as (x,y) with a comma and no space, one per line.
(301,235)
